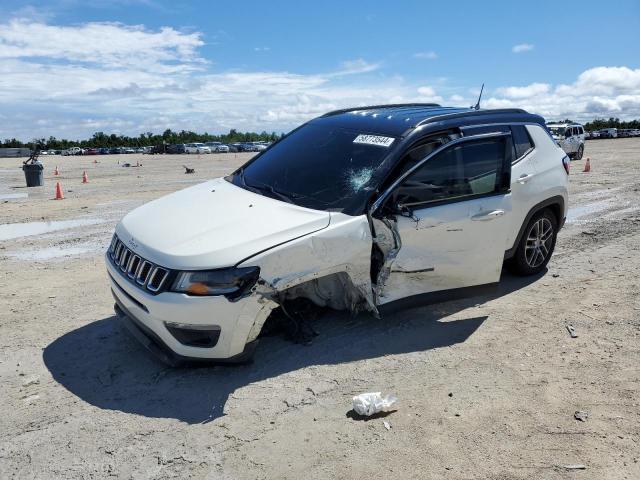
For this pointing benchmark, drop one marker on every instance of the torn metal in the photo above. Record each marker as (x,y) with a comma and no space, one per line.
(331,268)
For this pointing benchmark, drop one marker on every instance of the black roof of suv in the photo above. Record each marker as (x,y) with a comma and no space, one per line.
(400,119)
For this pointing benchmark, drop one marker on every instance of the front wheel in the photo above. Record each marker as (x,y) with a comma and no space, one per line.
(536,245)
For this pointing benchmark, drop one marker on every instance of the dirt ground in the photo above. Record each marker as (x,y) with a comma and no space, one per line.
(487,387)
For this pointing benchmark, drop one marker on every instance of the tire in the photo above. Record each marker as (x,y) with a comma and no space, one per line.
(580,152)
(536,245)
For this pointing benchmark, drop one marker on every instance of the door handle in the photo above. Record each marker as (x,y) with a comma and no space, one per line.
(525,177)
(485,216)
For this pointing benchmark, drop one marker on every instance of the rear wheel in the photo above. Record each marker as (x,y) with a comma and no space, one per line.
(536,245)
(580,152)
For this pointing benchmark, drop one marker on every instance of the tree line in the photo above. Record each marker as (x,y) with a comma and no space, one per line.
(600,123)
(101,139)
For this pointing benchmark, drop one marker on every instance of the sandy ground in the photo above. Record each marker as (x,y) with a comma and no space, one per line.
(487,387)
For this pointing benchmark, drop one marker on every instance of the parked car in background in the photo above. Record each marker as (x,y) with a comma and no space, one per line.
(156,149)
(625,133)
(72,151)
(592,135)
(222,148)
(569,137)
(213,146)
(91,151)
(232,148)
(176,148)
(609,133)
(245,147)
(409,204)
(103,151)
(635,132)
(196,147)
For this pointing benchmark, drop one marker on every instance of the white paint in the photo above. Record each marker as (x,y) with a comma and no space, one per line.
(214,225)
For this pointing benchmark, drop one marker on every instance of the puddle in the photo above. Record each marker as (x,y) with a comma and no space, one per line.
(52,253)
(584,210)
(18,230)
(13,196)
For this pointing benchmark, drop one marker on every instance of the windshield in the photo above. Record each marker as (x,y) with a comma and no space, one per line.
(557,131)
(317,166)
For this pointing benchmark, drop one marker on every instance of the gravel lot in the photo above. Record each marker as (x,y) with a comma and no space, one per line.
(487,387)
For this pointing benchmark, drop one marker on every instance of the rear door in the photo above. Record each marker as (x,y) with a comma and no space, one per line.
(452,215)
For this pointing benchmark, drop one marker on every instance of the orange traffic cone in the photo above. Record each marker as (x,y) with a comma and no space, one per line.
(587,166)
(59,194)
(56,172)
(85,178)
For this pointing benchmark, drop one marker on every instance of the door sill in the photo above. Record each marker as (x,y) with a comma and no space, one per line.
(440,296)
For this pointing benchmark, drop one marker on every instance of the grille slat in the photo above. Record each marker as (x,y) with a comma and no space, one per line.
(143,273)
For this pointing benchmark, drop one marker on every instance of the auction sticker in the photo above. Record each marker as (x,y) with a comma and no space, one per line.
(374,140)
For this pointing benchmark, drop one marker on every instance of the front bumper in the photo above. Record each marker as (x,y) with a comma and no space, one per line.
(238,322)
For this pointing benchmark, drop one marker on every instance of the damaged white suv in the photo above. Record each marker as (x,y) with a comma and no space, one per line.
(358,209)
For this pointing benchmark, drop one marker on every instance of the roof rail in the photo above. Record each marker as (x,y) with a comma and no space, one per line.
(471,112)
(375,107)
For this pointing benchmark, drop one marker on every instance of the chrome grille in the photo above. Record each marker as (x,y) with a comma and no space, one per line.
(135,268)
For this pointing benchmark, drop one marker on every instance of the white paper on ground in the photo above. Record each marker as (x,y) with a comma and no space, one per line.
(368,404)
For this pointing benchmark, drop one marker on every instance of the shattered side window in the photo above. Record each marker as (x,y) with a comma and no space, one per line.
(318,166)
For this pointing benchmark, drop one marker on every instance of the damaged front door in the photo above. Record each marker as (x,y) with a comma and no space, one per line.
(450,213)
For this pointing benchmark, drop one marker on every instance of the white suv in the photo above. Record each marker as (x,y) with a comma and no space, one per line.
(360,209)
(569,137)
(196,148)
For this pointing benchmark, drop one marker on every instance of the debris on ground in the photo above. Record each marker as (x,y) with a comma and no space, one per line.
(368,404)
(386,424)
(577,466)
(572,331)
(189,170)
(581,415)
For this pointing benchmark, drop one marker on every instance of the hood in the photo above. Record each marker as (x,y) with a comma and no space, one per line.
(214,225)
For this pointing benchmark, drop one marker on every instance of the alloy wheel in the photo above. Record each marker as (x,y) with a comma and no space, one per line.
(539,242)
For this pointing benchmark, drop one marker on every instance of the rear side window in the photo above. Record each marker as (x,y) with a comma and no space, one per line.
(521,140)
(455,174)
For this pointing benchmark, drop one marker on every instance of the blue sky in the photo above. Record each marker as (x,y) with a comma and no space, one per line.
(68,69)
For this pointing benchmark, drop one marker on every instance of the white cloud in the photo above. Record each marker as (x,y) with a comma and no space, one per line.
(522,47)
(598,91)
(428,94)
(524,92)
(70,81)
(426,55)
(108,44)
(358,65)
(261,49)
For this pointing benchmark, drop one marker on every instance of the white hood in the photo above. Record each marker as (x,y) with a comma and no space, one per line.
(214,225)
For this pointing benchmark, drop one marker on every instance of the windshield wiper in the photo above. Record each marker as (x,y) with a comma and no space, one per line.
(287,197)
(277,193)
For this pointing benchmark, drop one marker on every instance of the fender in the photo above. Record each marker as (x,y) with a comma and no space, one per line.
(557,202)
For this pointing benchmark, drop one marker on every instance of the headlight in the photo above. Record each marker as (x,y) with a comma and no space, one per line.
(230,282)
